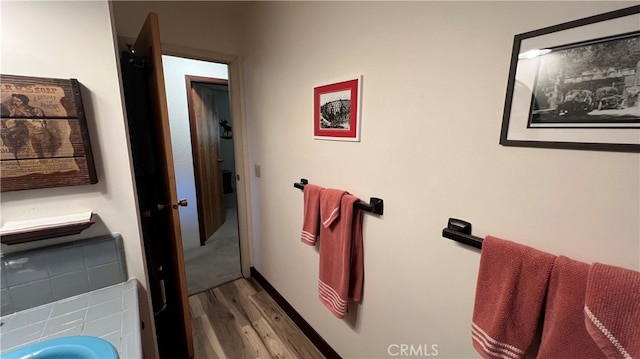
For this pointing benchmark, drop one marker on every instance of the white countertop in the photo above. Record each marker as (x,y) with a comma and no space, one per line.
(109,313)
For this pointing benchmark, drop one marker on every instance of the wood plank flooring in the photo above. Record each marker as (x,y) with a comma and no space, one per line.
(240,320)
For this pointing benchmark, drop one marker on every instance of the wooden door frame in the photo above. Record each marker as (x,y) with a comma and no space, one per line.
(240,144)
(190,80)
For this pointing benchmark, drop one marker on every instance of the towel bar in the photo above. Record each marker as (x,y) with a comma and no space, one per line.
(375,205)
(460,231)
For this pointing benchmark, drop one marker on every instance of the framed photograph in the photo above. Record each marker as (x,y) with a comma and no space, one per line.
(576,85)
(44,141)
(337,110)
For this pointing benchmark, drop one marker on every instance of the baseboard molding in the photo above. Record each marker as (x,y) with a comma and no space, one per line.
(307,329)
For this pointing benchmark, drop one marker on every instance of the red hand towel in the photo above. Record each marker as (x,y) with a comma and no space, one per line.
(612,310)
(330,203)
(512,281)
(311,220)
(341,270)
(564,334)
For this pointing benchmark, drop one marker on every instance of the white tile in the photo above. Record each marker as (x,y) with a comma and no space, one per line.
(130,322)
(64,322)
(29,317)
(65,333)
(131,346)
(132,283)
(69,305)
(5,322)
(99,313)
(103,326)
(6,347)
(106,294)
(114,339)
(130,299)
(22,335)
(104,309)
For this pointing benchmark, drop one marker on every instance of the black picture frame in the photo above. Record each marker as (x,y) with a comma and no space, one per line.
(576,85)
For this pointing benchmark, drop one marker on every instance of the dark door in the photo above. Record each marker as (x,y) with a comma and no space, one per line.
(207,164)
(157,194)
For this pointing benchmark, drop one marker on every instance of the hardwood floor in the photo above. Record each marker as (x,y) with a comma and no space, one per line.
(240,320)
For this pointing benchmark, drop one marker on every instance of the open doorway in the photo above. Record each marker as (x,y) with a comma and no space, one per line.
(151,137)
(205,169)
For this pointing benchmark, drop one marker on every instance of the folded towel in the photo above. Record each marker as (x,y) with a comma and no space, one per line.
(564,334)
(612,310)
(341,270)
(512,282)
(311,220)
(330,203)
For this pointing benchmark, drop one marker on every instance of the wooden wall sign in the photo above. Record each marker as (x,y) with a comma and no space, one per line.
(44,139)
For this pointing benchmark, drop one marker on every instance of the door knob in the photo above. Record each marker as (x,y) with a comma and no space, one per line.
(220,160)
(182,203)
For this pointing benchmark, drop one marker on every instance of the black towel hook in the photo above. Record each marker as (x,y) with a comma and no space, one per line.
(375,205)
(460,231)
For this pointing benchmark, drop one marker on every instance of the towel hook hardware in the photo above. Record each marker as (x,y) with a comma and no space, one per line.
(301,184)
(375,205)
(460,231)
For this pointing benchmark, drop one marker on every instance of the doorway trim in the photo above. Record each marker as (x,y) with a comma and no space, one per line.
(240,143)
(240,146)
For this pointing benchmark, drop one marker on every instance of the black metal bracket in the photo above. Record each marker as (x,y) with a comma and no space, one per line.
(301,184)
(460,231)
(375,205)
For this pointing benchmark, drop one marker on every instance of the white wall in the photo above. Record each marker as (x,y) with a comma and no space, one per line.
(175,69)
(435,76)
(80,47)
(62,39)
(208,25)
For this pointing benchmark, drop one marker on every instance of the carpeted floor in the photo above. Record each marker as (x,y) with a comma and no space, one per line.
(218,261)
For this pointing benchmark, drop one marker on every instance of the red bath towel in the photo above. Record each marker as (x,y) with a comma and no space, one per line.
(612,310)
(311,220)
(512,281)
(564,334)
(341,255)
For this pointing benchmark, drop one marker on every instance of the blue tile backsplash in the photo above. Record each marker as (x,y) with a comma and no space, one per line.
(58,263)
(70,284)
(43,275)
(25,268)
(31,294)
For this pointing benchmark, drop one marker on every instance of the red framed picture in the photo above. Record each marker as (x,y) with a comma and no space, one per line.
(337,111)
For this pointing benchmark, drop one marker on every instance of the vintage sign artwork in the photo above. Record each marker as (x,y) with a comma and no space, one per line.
(44,140)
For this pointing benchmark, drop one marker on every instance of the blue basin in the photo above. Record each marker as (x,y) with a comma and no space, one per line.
(73,347)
